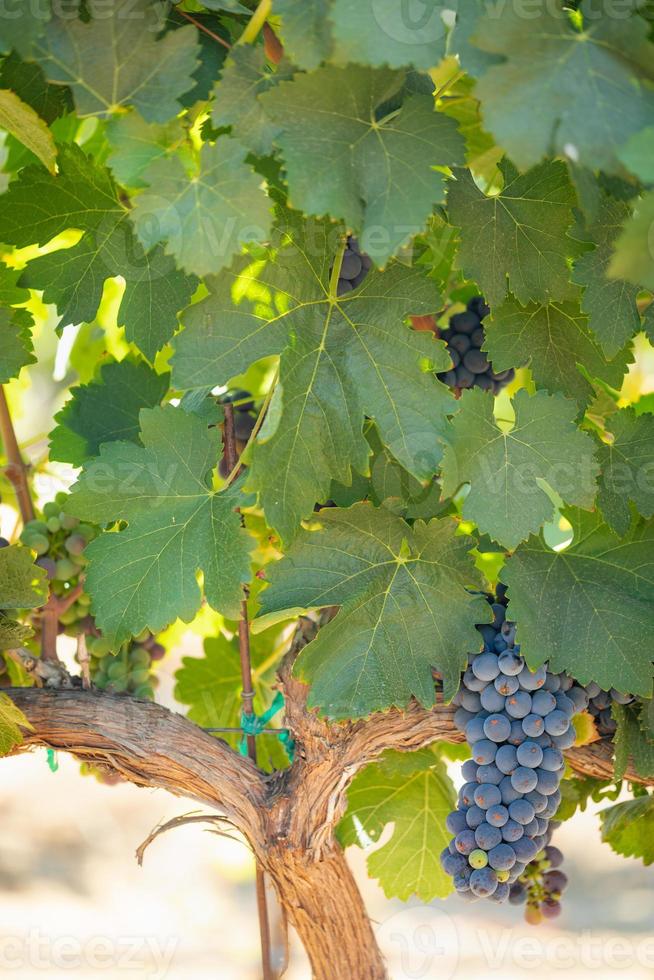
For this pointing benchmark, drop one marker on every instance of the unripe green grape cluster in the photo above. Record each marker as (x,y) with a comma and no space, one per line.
(59,541)
(130,669)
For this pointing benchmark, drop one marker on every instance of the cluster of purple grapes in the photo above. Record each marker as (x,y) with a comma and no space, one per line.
(599,706)
(470,365)
(354,267)
(541,884)
(517,723)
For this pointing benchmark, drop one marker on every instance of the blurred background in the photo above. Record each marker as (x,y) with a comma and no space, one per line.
(74,902)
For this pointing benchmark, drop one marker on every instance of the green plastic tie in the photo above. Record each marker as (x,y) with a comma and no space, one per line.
(53,765)
(255,724)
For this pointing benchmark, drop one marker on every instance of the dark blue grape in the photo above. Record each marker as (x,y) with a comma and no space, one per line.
(512,830)
(506,759)
(484,752)
(487,836)
(508,791)
(497,727)
(506,685)
(456,822)
(489,774)
(552,760)
(529,754)
(501,857)
(491,699)
(510,663)
(487,794)
(542,702)
(524,780)
(557,723)
(474,816)
(518,705)
(497,815)
(485,666)
(465,841)
(483,882)
(533,725)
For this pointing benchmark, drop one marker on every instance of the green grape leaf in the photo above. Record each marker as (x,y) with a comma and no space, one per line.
(39,206)
(245,76)
(211,686)
(207,216)
(342,359)
(135,144)
(610,303)
(602,590)
(106,410)
(13,634)
(482,153)
(471,58)
(556,341)
(509,470)
(12,720)
(22,583)
(628,828)
(592,87)
(633,257)
(26,125)
(385,32)
(631,743)
(638,155)
(27,80)
(647,719)
(400,588)
(627,464)
(21,25)
(146,575)
(119,59)
(305,31)
(16,349)
(413,792)
(520,234)
(379,176)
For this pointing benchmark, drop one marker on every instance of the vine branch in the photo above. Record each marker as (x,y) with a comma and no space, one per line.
(16,469)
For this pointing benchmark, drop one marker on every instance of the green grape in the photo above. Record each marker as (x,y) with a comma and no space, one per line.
(102,646)
(117,669)
(68,522)
(60,498)
(38,543)
(70,616)
(118,684)
(139,657)
(53,525)
(144,691)
(66,569)
(51,509)
(138,677)
(39,527)
(85,600)
(87,531)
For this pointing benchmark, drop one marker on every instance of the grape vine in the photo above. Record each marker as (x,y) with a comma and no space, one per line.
(321,348)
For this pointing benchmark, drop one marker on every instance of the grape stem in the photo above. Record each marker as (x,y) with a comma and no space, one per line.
(202,27)
(247,695)
(256,22)
(16,469)
(234,470)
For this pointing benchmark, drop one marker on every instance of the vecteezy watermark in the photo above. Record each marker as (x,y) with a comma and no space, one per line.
(421,941)
(425,942)
(410,21)
(36,950)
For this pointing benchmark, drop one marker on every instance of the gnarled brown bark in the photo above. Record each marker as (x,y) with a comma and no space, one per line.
(324,905)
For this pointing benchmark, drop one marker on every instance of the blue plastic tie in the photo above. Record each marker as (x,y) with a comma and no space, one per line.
(255,724)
